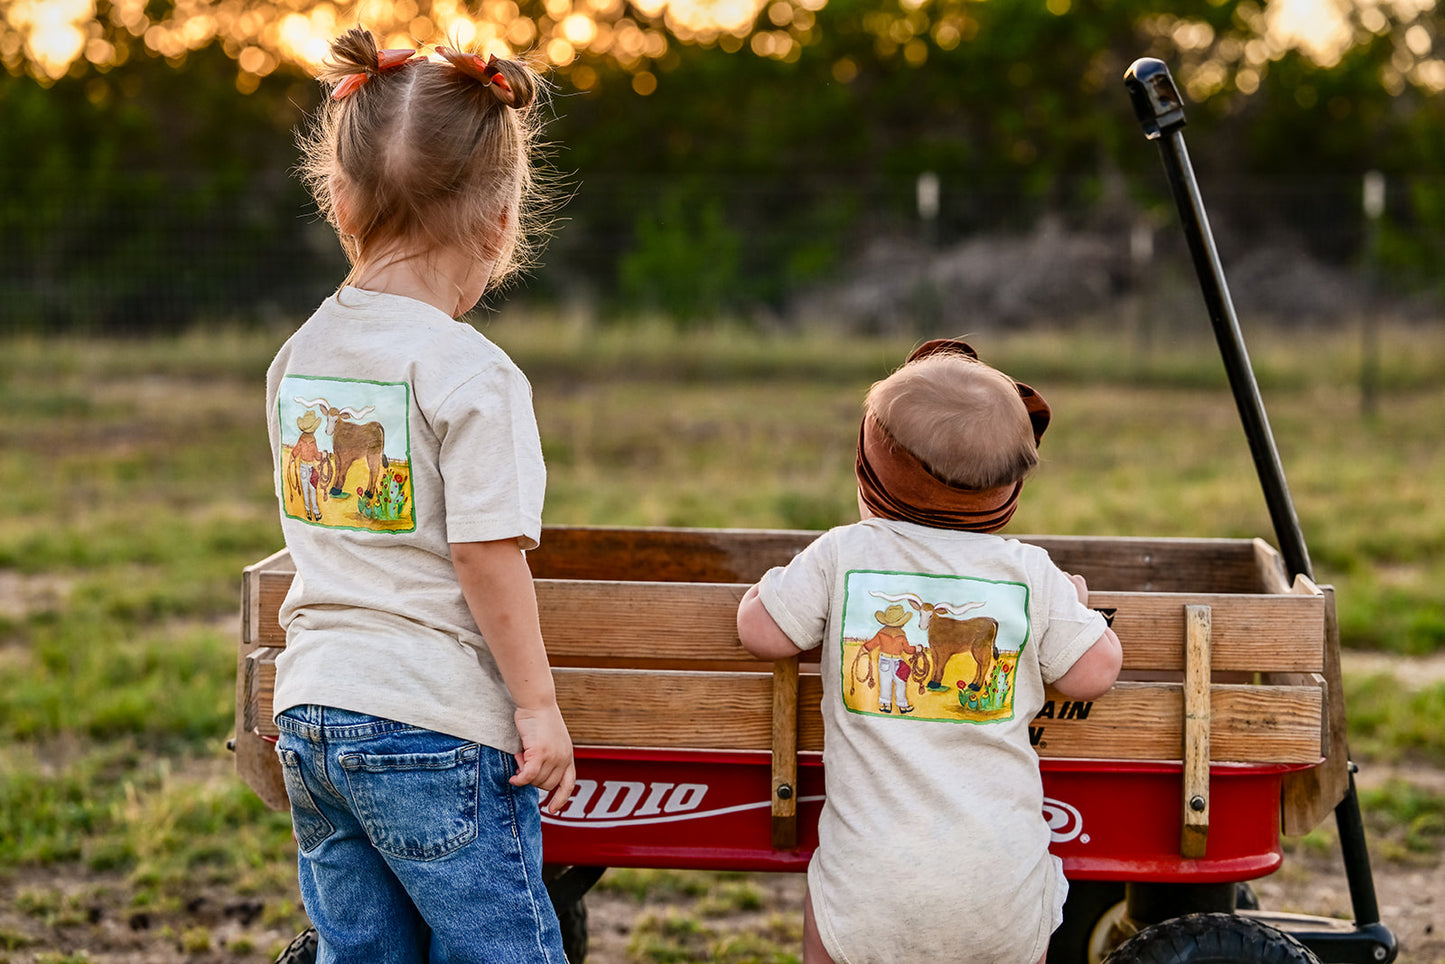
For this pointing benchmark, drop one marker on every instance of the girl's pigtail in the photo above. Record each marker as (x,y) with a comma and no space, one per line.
(507,80)
(355,59)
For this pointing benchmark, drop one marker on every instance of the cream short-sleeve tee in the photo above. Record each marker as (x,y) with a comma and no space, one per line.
(932,842)
(395,431)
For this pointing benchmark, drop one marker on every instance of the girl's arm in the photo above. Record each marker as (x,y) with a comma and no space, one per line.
(757,631)
(498,588)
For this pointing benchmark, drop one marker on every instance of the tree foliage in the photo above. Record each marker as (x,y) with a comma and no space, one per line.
(710,166)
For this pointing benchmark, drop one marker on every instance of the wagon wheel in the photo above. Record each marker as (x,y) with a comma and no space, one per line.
(1094,923)
(567,886)
(301,950)
(1211,939)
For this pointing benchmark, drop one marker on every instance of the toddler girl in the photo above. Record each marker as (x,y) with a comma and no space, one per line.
(417,714)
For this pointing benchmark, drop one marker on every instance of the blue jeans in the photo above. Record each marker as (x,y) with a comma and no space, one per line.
(414,848)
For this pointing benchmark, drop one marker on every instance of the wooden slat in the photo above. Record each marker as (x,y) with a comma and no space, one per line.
(668,708)
(260,683)
(1270,566)
(732,711)
(785,754)
(256,762)
(1146,564)
(1195,835)
(1127,564)
(254,605)
(1134,564)
(1253,633)
(663,554)
(1134,721)
(1311,795)
(268,590)
(1144,721)
(644,624)
(656,624)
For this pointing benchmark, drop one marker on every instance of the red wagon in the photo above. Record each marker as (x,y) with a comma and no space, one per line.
(1170,790)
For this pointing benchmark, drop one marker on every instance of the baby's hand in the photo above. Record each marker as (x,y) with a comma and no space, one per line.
(1081,587)
(546,757)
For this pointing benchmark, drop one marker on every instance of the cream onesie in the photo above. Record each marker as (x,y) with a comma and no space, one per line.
(932,843)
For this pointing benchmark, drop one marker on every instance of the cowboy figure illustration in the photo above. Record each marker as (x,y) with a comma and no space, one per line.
(893,650)
(306,464)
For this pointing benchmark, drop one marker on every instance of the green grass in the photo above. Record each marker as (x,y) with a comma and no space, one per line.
(1391,723)
(137,484)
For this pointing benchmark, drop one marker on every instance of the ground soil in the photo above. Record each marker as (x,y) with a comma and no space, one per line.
(89,917)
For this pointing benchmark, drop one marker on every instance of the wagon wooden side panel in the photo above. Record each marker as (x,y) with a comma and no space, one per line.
(678,728)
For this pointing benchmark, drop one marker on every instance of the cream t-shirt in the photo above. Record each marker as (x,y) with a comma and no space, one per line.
(932,843)
(427,432)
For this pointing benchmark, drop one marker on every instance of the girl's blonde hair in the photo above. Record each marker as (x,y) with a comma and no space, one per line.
(427,157)
(962,419)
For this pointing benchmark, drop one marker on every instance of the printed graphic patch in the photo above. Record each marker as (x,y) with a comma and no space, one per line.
(345,453)
(927,647)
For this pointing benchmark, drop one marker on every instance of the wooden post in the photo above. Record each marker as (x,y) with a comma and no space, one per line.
(1196,731)
(785,754)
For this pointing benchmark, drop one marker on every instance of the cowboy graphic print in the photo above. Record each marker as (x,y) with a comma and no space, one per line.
(930,647)
(345,453)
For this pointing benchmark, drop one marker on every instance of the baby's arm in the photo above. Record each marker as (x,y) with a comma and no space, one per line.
(1095,671)
(759,633)
(498,587)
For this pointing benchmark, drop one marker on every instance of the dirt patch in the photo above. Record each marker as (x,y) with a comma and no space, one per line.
(21,594)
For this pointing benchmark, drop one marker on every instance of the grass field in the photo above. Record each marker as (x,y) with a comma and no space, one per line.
(136,483)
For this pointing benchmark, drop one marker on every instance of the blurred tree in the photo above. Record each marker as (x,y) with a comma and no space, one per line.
(728,151)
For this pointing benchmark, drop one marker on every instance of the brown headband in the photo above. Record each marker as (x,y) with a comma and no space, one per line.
(895,485)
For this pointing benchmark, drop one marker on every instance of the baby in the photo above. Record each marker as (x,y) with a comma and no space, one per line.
(932,832)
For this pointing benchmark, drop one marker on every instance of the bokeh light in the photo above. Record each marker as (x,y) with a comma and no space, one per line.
(49,38)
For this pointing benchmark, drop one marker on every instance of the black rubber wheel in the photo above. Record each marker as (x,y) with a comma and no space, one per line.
(1211,939)
(568,886)
(301,950)
(1084,911)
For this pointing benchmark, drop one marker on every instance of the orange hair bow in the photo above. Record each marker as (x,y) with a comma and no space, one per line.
(487,71)
(385,60)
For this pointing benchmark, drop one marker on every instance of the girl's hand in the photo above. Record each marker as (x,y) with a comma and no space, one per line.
(546,757)
(1080,587)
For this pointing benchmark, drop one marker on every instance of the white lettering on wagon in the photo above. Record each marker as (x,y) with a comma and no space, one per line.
(625,803)
(1065,822)
(628,803)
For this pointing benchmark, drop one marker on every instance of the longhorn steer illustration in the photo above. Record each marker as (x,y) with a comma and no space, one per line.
(352,440)
(948,636)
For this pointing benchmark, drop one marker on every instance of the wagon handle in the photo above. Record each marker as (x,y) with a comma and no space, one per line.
(1160,110)
(1161,113)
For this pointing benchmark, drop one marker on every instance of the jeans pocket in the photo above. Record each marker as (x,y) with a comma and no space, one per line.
(416,806)
(307,821)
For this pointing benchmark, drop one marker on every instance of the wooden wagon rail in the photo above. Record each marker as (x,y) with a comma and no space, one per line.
(647,617)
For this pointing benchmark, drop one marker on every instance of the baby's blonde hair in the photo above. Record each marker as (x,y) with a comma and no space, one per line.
(427,157)
(962,419)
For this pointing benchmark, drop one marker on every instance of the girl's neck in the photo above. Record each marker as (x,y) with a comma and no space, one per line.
(448,281)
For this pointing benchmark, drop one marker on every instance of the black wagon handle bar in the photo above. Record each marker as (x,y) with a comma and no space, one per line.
(1161,113)
(1160,110)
